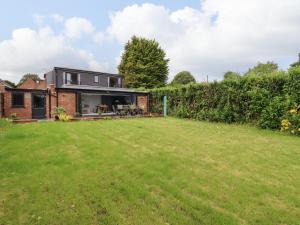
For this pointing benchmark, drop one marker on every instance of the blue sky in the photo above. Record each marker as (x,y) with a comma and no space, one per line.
(16,13)
(205,37)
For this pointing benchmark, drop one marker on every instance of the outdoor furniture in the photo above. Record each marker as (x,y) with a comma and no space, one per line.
(120,110)
(86,109)
(102,108)
(123,110)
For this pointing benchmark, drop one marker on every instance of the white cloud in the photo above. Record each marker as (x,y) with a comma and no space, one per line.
(99,37)
(75,27)
(57,18)
(37,51)
(39,19)
(222,35)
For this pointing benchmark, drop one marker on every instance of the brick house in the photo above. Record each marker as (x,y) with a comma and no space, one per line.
(79,92)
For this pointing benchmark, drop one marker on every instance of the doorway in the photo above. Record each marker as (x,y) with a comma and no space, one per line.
(38,106)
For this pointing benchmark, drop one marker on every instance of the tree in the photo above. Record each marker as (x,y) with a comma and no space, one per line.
(183,77)
(34,77)
(296,63)
(230,75)
(263,68)
(12,84)
(144,64)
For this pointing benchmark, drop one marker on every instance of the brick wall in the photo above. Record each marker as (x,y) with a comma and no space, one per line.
(67,100)
(1,104)
(22,113)
(52,98)
(31,84)
(2,89)
(142,102)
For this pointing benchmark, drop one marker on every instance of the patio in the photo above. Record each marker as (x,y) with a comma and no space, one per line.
(93,104)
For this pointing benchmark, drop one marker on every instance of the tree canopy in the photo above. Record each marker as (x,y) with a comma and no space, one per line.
(296,63)
(12,84)
(230,75)
(144,64)
(263,68)
(184,77)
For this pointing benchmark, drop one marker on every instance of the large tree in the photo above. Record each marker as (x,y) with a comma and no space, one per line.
(184,77)
(263,68)
(144,64)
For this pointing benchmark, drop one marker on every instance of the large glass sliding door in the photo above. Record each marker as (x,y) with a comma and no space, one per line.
(96,104)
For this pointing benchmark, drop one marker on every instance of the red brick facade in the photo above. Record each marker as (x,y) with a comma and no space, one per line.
(23,112)
(31,84)
(53,98)
(142,102)
(2,90)
(67,100)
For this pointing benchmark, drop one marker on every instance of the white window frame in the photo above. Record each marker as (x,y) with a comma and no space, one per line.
(97,78)
(67,78)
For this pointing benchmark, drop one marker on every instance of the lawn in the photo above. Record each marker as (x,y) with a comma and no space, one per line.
(147,171)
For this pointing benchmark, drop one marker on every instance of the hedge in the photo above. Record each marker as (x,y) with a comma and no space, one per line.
(263,100)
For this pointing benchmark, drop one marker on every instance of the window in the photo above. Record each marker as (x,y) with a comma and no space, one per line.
(17,99)
(38,101)
(113,82)
(72,78)
(96,79)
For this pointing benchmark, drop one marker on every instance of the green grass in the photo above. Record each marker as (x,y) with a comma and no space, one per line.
(147,171)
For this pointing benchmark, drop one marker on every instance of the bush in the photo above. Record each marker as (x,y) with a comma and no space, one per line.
(59,110)
(262,100)
(291,121)
(13,116)
(271,116)
(61,115)
(64,117)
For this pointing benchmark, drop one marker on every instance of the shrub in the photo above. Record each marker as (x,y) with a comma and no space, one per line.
(64,117)
(291,121)
(13,116)
(59,110)
(262,100)
(61,115)
(77,114)
(271,116)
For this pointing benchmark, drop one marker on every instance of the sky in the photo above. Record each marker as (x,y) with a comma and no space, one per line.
(207,37)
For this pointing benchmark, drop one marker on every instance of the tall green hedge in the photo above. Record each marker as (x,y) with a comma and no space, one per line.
(262,100)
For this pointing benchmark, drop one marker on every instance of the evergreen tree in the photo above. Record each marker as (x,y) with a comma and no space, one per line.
(144,64)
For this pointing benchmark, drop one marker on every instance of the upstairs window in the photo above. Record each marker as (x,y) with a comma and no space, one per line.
(72,78)
(17,99)
(96,79)
(114,82)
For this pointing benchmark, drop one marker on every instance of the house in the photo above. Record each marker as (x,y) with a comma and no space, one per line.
(79,92)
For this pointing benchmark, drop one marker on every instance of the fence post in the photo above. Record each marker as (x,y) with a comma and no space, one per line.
(165,106)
